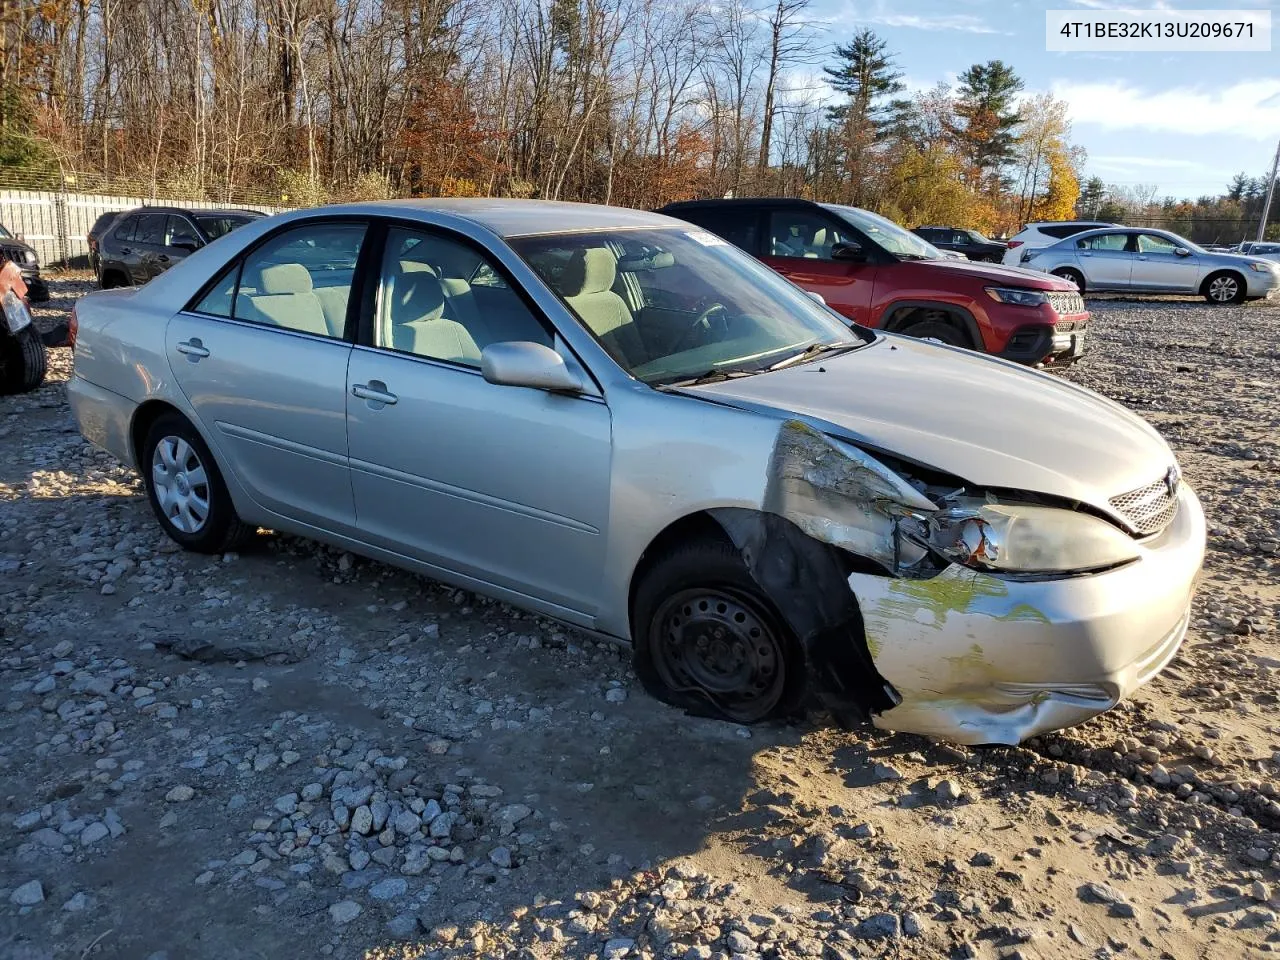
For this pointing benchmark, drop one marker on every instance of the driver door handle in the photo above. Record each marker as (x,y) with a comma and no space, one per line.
(375,391)
(193,348)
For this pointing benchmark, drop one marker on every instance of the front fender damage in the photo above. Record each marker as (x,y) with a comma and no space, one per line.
(827,505)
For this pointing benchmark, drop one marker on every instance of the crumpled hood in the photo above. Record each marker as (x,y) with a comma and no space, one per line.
(989,422)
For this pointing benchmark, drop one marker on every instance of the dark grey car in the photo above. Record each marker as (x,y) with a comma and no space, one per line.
(144,243)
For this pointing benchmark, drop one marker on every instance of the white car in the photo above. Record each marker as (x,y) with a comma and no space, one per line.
(1044,234)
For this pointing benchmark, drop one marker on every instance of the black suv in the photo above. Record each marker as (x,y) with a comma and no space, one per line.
(22,255)
(144,243)
(969,242)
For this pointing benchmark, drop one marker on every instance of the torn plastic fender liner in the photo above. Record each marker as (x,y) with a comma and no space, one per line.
(823,496)
(807,583)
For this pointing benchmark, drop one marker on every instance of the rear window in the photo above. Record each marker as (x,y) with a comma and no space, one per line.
(738,225)
(1066,229)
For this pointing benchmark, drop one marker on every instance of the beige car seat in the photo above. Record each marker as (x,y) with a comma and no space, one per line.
(284,297)
(414,318)
(587,286)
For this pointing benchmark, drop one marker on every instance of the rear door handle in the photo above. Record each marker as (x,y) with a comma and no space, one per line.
(163,258)
(375,391)
(126,250)
(193,348)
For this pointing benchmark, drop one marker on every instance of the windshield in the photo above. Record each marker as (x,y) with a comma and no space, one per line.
(978,237)
(215,226)
(5,234)
(886,233)
(671,305)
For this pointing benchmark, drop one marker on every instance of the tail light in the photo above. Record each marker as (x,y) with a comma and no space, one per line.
(1014,243)
(73,328)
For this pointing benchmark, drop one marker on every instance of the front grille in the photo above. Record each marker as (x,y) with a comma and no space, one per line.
(1148,509)
(1066,303)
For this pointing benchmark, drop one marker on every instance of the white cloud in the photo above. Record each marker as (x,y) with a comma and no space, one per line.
(962,22)
(1249,108)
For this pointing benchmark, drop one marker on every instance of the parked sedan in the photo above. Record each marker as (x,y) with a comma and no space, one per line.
(1128,260)
(621,421)
(1265,251)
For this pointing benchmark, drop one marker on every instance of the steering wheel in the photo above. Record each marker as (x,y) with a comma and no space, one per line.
(703,320)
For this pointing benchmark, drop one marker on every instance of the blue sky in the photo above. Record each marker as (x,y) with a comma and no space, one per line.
(1182,121)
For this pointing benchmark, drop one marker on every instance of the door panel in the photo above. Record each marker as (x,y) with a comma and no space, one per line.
(505,484)
(1157,267)
(275,403)
(1106,260)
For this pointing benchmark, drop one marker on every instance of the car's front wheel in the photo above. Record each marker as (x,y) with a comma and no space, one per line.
(1224,287)
(186,489)
(708,639)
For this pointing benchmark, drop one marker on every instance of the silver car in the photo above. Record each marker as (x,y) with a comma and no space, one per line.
(1130,260)
(622,422)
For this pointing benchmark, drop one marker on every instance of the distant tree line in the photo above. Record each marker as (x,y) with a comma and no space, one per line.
(1228,218)
(633,102)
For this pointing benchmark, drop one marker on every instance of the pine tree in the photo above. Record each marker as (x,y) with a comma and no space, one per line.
(987,106)
(867,76)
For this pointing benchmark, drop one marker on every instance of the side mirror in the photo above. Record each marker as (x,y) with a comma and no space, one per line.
(848,251)
(522,363)
(1182,251)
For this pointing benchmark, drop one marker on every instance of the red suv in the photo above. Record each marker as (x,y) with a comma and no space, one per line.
(878,275)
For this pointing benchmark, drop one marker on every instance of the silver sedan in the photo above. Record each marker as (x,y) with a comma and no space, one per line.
(624,423)
(1129,260)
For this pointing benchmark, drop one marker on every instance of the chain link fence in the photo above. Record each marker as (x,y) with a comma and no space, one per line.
(54,212)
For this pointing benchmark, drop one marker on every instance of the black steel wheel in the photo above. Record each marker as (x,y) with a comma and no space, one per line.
(709,640)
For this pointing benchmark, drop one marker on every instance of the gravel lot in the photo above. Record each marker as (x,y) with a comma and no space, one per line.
(295,752)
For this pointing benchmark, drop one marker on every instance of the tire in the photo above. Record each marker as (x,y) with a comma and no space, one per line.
(23,361)
(707,638)
(111,280)
(1075,276)
(938,330)
(1224,287)
(195,510)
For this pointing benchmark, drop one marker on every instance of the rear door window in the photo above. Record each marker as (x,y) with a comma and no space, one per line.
(150,229)
(1112,242)
(126,229)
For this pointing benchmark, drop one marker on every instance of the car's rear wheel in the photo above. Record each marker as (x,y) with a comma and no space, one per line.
(111,279)
(1075,276)
(1224,287)
(186,489)
(708,639)
(23,361)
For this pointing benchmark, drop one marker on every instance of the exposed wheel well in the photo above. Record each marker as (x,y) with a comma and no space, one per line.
(901,316)
(695,526)
(143,418)
(112,277)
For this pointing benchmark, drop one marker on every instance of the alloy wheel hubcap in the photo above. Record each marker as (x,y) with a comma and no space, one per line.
(181,484)
(1224,288)
(717,644)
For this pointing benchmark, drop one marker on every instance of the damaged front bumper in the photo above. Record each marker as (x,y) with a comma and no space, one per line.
(979,658)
